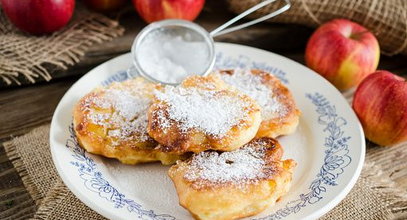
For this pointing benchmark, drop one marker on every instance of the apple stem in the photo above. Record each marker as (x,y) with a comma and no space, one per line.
(356,36)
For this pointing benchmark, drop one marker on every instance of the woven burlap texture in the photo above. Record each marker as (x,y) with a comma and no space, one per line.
(387,19)
(374,196)
(27,57)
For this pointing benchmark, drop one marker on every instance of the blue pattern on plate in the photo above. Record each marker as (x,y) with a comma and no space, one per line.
(336,158)
(336,153)
(118,77)
(95,182)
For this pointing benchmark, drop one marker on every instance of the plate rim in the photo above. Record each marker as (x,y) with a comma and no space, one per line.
(315,214)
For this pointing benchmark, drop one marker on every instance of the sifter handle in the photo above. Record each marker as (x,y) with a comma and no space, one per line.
(224,30)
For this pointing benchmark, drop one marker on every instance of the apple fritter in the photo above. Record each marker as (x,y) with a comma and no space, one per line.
(112,122)
(202,114)
(278,109)
(215,185)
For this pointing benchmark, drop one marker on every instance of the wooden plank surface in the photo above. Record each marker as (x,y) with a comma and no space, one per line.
(28,107)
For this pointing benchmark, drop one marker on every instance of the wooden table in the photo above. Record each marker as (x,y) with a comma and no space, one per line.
(27,107)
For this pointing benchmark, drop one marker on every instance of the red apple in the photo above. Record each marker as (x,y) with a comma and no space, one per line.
(343,52)
(155,10)
(105,5)
(380,102)
(38,16)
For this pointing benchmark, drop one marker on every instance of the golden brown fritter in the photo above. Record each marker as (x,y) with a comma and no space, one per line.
(279,112)
(200,114)
(112,122)
(230,185)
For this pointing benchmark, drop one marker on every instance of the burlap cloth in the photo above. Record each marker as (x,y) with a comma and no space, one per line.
(374,196)
(387,19)
(24,57)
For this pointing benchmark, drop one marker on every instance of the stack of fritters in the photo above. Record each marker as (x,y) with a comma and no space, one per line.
(227,119)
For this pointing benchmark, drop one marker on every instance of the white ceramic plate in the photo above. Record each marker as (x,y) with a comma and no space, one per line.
(329,147)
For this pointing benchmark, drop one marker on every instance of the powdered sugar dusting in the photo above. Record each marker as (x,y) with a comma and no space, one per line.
(99,118)
(210,111)
(252,85)
(245,165)
(126,116)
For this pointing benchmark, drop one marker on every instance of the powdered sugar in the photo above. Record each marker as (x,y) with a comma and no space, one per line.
(244,165)
(212,112)
(252,85)
(126,116)
(99,118)
(172,55)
